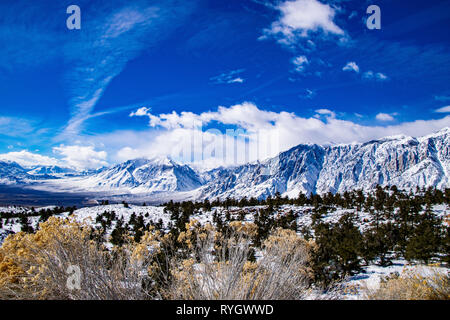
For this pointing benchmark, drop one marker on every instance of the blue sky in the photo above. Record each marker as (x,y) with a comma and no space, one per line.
(137,75)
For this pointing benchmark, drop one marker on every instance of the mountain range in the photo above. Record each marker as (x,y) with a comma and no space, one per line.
(406,162)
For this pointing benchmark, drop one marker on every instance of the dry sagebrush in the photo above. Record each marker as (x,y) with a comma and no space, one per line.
(34,266)
(412,284)
(201,263)
(220,268)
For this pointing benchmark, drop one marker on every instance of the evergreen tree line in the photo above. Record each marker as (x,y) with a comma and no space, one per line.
(23,217)
(401,225)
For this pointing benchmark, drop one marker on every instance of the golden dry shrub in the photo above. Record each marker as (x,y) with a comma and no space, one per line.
(246,228)
(39,265)
(195,232)
(221,268)
(412,284)
(155,253)
(24,257)
(285,245)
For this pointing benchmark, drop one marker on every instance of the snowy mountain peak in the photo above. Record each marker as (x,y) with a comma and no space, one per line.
(401,160)
(406,162)
(12,173)
(163,160)
(50,170)
(444,132)
(145,176)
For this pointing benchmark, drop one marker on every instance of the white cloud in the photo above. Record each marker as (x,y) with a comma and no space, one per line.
(377,76)
(236,80)
(140,112)
(300,63)
(182,135)
(443,110)
(351,66)
(384,117)
(381,76)
(352,15)
(228,77)
(28,159)
(368,75)
(326,112)
(82,157)
(301,17)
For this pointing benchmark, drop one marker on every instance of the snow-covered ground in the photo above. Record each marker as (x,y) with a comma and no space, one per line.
(155,213)
(370,275)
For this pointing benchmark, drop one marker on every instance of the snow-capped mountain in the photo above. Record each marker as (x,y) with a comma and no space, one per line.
(298,168)
(403,161)
(50,170)
(143,176)
(12,173)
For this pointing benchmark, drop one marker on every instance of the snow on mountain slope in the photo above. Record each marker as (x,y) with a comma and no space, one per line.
(12,173)
(404,161)
(51,170)
(296,169)
(398,160)
(137,176)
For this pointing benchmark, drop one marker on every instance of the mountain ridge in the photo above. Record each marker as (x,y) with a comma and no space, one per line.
(405,161)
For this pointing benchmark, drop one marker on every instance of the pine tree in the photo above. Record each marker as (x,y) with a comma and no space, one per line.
(338,250)
(378,242)
(264,223)
(445,246)
(425,240)
(26,225)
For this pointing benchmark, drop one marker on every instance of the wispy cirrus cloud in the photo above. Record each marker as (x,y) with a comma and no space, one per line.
(228,77)
(442,98)
(119,34)
(112,34)
(15,127)
(445,109)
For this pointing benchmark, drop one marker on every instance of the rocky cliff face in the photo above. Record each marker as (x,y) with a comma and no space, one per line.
(404,161)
